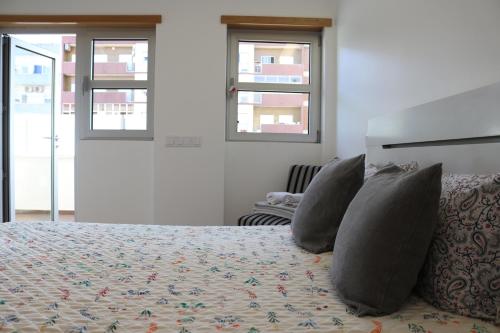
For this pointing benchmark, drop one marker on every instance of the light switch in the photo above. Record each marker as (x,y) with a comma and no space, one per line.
(183,141)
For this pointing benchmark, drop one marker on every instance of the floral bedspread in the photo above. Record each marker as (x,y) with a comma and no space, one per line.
(80,277)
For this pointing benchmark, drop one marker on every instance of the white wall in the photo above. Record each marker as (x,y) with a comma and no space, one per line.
(395,54)
(115,181)
(144,182)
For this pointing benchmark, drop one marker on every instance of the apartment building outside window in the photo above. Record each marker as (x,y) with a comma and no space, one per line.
(273,86)
(117,84)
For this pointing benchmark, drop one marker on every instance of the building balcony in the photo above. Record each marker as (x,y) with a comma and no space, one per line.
(42,79)
(110,97)
(262,99)
(280,69)
(283,128)
(69,40)
(111,69)
(68,68)
(99,97)
(282,100)
(68,97)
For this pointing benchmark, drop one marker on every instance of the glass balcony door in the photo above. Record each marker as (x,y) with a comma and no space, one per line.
(32,139)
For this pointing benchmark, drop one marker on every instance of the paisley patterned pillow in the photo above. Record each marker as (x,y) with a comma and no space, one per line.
(462,269)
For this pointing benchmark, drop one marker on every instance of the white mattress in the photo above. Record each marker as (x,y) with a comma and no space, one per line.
(78,277)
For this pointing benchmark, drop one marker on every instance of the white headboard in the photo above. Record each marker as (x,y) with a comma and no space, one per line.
(462,131)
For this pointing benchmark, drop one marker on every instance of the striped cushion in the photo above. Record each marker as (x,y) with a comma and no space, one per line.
(300,176)
(262,219)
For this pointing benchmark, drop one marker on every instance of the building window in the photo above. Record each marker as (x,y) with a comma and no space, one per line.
(267,59)
(117,84)
(273,84)
(103,57)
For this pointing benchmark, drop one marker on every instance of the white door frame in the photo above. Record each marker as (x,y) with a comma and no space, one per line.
(54,209)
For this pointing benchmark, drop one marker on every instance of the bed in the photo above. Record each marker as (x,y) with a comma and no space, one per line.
(84,277)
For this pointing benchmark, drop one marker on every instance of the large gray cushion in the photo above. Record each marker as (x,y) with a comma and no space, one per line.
(319,213)
(384,237)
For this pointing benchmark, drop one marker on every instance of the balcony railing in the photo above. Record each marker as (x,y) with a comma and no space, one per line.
(68,68)
(103,68)
(258,78)
(281,69)
(68,97)
(106,108)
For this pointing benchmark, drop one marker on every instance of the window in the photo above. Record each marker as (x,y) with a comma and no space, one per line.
(267,59)
(287,60)
(117,84)
(100,57)
(273,82)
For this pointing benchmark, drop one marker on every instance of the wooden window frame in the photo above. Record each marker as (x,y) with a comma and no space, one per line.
(276,23)
(105,21)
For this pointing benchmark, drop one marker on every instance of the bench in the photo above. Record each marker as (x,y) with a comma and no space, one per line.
(299,178)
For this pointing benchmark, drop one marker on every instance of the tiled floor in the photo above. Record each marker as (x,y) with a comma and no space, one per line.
(27,216)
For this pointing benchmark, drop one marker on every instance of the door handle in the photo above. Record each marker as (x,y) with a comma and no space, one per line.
(85,84)
(56,138)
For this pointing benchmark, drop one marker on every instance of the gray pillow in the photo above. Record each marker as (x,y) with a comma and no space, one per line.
(319,213)
(384,237)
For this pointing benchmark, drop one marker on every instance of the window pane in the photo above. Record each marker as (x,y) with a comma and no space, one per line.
(271,62)
(271,112)
(119,109)
(120,60)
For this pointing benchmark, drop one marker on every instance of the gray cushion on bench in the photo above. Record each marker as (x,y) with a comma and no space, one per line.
(319,213)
